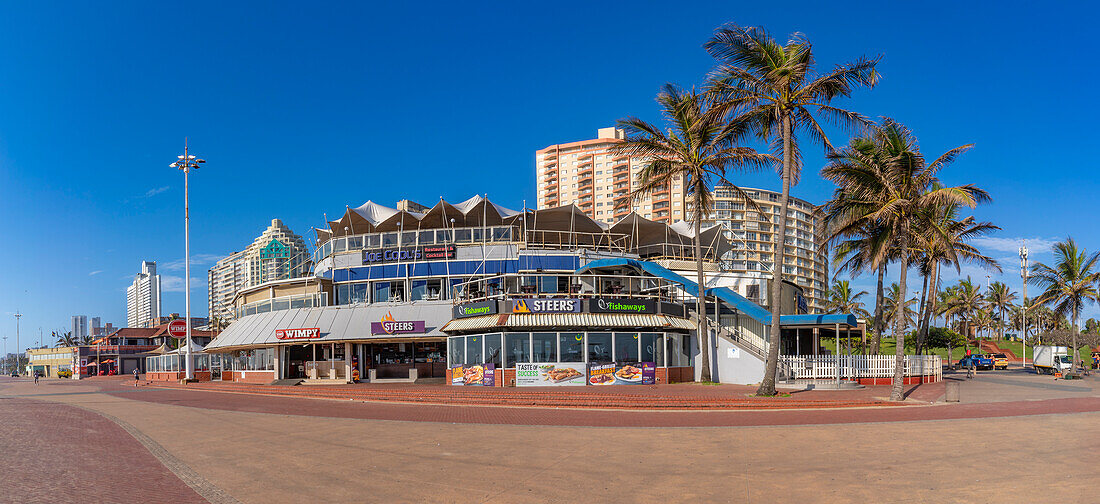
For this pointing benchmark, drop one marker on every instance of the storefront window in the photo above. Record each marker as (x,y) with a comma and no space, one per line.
(456,348)
(599,347)
(653,348)
(462,235)
(393,353)
(443,236)
(572,347)
(359,292)
(429,352)
(474,350)
(389,240)
(493,349)
(372,241)
(544,347)
(626,347)
(408,239)
(517,348)
(678,350)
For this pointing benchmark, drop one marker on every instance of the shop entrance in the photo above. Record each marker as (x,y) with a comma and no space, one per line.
(296,357)
(394,360)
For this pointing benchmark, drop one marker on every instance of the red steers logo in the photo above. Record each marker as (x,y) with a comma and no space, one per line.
(304,333)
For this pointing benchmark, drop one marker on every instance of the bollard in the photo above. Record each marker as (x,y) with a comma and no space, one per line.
(952,391)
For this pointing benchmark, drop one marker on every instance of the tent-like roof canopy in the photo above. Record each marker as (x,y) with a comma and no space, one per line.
(565,225)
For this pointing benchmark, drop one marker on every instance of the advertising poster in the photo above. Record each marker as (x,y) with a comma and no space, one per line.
(633,373)
(550,374)
(481,375)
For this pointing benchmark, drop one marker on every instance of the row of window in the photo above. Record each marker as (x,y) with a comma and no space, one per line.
(506,349)
(413,239)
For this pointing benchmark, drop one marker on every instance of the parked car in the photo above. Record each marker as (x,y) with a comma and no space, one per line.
(1000,361)
(15,374)
(979,361)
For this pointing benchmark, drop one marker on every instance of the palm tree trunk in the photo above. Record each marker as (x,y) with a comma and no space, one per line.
(1076,351)
(933,289)
(703,334)
(880,325)
(920,312)
(896,393)
(767,385)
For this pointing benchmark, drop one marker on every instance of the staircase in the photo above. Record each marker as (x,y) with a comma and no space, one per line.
(991,347)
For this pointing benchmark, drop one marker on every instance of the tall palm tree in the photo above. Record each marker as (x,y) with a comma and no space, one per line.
(65,338)
(945,242)
(699,147)
(843,299)
(1000,299)
(965,302)
(775,89)
(1068,284)
(892,302)
(856,255)
(896,189)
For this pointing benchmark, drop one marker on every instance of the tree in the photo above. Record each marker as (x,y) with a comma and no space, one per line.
(699,147)
(891,303)
(775,89)
(896,189)
(856,255)
(64,339)
(1068,284)
(1000,299)
(965,302)
(842,299)
(941,337)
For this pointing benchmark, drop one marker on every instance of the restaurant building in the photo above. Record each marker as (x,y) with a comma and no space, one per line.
(473,293)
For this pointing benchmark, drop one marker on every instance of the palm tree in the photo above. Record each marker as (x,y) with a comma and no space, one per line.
(86,340)
(892,301)
(776,91)
(945,242)
(842,299)
(895,188)
(698,147)
(1000,299)
(856,255)
(1069,284)
(64,339)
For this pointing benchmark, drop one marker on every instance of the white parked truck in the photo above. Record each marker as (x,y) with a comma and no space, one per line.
(1051,359)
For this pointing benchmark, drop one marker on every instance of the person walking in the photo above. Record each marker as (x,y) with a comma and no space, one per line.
(135,377)
(36,377)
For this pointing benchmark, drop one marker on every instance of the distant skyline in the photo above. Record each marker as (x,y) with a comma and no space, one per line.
(302,111)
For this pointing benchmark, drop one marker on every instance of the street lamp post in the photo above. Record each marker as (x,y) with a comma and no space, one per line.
(1023,274)
(187,162)
(18,359)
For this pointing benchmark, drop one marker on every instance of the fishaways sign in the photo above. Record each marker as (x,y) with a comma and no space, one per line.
(475,309)
(602,305)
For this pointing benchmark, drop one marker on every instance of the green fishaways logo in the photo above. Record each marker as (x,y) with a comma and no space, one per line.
(614,306)
(475,310)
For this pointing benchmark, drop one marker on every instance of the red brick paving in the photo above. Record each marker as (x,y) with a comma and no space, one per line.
(678,397)
(58,453)
(388,410)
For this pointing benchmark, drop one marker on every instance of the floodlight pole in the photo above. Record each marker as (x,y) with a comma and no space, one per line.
(1023,274)
(186,162)
(18,356)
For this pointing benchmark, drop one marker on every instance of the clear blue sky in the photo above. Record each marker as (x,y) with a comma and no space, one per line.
(303,110)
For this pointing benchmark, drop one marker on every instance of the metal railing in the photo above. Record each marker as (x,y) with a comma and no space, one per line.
(566,285)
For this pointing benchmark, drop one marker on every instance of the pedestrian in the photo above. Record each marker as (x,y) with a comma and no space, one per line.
(135,377)
(36,377)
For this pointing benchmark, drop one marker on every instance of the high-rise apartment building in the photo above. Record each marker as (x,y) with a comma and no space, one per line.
(79,326)
(277,254)
(588,174)
(752,235)
(96,327)
(143,296)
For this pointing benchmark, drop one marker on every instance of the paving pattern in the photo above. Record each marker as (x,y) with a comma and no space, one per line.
(59,453)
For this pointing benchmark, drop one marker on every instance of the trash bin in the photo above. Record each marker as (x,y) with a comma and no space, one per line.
(952,391)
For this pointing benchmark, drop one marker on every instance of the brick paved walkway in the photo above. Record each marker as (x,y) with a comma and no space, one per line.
(58,453)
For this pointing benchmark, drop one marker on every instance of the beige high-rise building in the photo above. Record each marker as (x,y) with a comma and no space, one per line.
(588,174)
(277,254)
(753,241)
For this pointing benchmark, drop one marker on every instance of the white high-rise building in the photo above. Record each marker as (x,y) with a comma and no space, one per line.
(143,296)
(277,254)
(79,326)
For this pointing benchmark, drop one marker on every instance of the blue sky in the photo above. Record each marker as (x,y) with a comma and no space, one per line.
(303,110)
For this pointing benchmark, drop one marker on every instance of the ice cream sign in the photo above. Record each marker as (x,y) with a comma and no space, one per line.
(387,325)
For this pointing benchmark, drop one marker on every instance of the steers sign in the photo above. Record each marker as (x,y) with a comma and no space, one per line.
(390,326)
(304,333)
(177,328)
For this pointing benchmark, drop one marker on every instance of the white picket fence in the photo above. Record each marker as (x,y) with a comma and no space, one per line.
(853,367)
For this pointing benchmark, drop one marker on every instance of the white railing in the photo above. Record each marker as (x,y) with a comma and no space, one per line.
(853,367)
